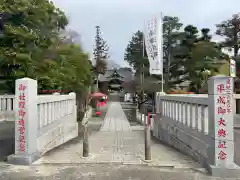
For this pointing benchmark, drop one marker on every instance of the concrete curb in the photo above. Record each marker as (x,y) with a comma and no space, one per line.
(86,158)
(173,166)
(146,161)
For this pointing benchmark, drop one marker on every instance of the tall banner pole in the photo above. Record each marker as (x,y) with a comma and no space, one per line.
(147,136)
(161,49)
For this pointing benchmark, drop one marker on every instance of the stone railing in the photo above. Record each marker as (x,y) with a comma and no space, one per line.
(188,110)
(201,125)
(237,115)
(56,120)
(141,118)
(42,122)
(182,122)
(237,97)
(7,107)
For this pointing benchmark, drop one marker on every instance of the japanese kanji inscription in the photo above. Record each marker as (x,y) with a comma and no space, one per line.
(223,108)
(21,117)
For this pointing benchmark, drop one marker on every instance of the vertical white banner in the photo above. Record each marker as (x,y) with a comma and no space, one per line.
(232,68)
(147,44)
(154,45)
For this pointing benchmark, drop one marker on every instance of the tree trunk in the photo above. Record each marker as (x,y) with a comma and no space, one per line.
(85,141)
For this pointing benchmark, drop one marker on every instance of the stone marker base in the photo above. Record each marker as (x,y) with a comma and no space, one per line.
(146,161)
(162,93)
(23,159)
(230,172)
(86,158)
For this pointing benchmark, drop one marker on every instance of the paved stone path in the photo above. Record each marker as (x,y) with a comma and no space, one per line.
(115,119)
(117,143)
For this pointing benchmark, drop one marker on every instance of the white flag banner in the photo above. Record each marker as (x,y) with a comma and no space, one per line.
(153,44)
(148,46)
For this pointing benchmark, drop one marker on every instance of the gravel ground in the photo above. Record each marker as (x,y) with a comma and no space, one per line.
(101,172)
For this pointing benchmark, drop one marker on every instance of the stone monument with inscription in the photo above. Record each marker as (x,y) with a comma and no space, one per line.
(221,127)
(25,122)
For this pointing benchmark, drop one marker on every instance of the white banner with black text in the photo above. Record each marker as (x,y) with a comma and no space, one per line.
(153,43)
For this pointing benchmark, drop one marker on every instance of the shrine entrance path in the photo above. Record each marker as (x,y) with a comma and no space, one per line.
(118,142)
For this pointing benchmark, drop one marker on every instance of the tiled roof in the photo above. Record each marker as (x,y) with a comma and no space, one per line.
(124,72)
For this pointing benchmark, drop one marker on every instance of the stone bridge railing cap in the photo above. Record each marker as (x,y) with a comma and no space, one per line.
(219,76)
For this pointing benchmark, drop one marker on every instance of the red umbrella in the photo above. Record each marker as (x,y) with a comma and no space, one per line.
(98,94)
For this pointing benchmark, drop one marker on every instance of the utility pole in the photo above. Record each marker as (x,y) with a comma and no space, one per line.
(142,76)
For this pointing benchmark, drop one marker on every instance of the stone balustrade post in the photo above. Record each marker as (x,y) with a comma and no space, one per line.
(26,122)
(159,113)
(220,158)
(75,105)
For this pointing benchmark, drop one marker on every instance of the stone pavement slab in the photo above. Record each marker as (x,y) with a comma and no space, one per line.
(119,147)
(116,142)
(116,153)
(101,172)
(115,119)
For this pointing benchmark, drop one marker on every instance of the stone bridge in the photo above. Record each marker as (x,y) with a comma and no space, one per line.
(33,124)
(203,126)
(200,126)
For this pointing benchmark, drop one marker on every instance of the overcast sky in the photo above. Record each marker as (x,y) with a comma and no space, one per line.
(119,19)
